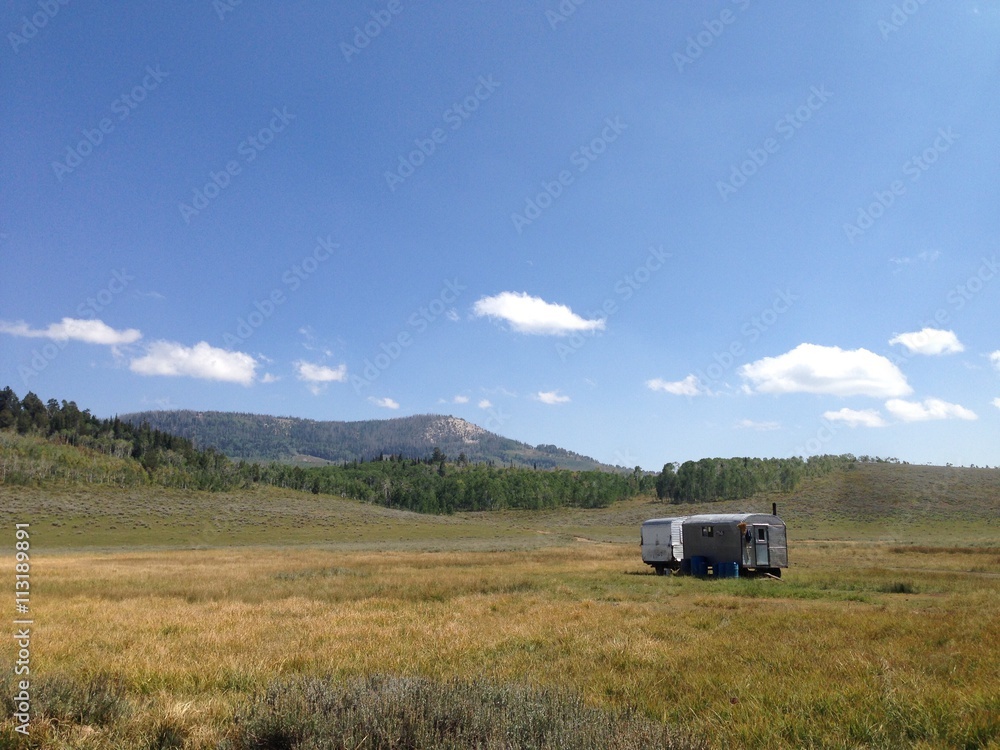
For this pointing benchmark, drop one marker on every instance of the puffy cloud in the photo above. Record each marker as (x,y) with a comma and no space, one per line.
(313,373)
(199,361)
(461,399)
(385,403)
(533,315)
(318,377)
(485,404)
(810,368)
(929,408)
(856,417)
(689,386)
(995,359)
(996,402)
(75,329)
(930,341)
(552,397)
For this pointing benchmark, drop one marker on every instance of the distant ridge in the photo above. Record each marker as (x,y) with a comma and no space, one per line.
(260,437)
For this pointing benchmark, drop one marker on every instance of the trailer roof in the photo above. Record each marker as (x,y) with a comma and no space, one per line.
(728,517)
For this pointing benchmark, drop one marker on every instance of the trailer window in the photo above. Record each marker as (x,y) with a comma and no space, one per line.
(708,531)
(761,535)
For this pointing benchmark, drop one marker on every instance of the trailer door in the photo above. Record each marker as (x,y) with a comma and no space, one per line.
(760,546)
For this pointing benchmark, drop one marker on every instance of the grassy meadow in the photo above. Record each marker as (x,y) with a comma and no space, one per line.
(173,619)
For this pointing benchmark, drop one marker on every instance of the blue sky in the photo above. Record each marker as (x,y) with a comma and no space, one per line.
(646,232)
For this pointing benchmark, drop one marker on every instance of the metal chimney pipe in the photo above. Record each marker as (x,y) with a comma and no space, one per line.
(774,509)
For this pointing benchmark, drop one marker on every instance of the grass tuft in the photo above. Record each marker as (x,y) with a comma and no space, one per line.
(99,700)
(423,714)
(897,587)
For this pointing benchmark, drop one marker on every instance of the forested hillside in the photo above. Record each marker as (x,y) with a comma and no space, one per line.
(56,442)
(258,437)
(736,478)
(53,442)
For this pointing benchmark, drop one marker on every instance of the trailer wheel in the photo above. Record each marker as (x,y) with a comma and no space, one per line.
(659,569)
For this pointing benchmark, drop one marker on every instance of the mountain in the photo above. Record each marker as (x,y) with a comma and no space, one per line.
(258,437)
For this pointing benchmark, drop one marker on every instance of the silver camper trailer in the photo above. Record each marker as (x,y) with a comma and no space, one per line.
(716,544)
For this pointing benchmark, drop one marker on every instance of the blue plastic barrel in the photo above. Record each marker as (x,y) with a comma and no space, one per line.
(728,570)
(699,565)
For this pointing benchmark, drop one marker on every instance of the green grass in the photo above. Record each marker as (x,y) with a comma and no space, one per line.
(904,505)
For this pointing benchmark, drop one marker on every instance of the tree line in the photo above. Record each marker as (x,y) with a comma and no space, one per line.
(118,453)
(438,484)
(737,478)
(123,454)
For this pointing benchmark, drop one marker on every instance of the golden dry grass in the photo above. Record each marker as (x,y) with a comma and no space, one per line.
(826,657)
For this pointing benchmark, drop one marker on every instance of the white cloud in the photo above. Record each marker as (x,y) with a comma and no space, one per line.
(198,361)
(551,397)
(996,402)
(533,315)
(929,408)
(88,331)
(461,399)
(313,373)
(690,386)
(749,424)
(485,404)
(810,368)
(929,341)
(319,376)
(385,403)
(995,359)
(856,417)
(269,378)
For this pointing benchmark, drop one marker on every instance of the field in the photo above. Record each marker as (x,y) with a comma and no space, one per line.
(163,619)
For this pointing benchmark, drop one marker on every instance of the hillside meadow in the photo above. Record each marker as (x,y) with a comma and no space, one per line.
(272,619)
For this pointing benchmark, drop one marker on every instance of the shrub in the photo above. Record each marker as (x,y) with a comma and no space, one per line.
(383,712)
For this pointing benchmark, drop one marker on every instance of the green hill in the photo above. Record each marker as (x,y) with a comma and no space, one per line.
(259,437)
